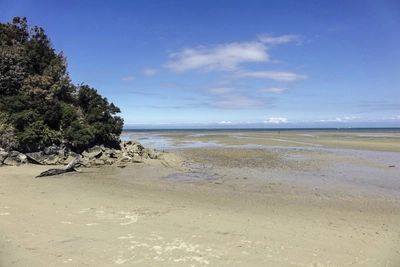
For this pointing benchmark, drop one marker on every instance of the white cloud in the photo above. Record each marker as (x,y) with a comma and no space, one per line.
(276,120)
(275,90)
(271,40)
(276,75)
(390,118)
(128,78)
(225,122)
(225,57)
(343,119)
(150,72)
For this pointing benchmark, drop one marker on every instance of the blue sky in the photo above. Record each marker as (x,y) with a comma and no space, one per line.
(228,63)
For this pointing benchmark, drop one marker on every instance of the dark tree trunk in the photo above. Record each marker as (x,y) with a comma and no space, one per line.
(69,168)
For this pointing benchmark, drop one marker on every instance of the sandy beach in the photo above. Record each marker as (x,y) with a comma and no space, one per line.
(325,199)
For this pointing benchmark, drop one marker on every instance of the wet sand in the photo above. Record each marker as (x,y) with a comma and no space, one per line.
(242,199)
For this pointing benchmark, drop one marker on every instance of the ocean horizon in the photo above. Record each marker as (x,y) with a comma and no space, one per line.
(231,129)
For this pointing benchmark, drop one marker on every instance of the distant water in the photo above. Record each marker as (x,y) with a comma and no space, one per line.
(200,130)
(154,138)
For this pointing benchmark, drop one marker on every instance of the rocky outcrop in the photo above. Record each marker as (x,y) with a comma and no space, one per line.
(12,158)
(129,152)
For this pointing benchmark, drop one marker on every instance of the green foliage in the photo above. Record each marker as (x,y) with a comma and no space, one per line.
(99,115)
(39,103)
(79,135)
(8,138)
(12,69)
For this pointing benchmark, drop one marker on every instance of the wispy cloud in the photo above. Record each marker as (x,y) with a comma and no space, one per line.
(226,57)
(225,123)
(149,72)
(233,58)
(276,120)
(342,119)
(274,90)
(283,39)
(276,75)
(128,78)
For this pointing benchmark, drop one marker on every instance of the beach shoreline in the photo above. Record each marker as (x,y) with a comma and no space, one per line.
(229,200)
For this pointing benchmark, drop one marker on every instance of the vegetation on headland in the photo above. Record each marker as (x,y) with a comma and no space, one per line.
(39,104)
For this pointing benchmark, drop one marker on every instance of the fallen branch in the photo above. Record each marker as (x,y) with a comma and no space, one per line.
(69,168)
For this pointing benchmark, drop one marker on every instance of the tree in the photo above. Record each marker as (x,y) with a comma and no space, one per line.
(8,138)
(38,101)
(99,115)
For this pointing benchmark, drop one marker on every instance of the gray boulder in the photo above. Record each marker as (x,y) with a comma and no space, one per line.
(22,158)
(93,152)
(132,147)
(14,153)
(137,159)
(41,158)
(11,161)
(3,156)
(114,153)
(98,162)
(125,158)
(54,150)
(150,153)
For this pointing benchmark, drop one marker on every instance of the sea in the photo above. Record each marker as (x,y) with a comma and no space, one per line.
(159,138)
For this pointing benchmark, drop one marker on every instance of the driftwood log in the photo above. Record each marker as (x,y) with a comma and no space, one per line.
(69,168)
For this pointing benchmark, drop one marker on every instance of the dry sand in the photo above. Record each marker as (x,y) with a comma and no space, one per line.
(307,204)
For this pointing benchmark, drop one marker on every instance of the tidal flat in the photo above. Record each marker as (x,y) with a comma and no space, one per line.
(238,198)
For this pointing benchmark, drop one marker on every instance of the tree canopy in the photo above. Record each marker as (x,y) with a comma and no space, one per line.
(38,101)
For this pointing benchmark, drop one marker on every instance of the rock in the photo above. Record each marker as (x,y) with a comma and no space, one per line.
(41,158)
(36,157)
(10,161)
(137,159)
(125,158)
(85,162)
(105,155)
(14,153)
(109,161)
(115,153)
(52,160)
(3,156)
(98,162)
(22,158)
(131,147)
(150,153)
(53,150)
(14,158)
(96,149)
(94,152)
(73,154)
(94,156)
